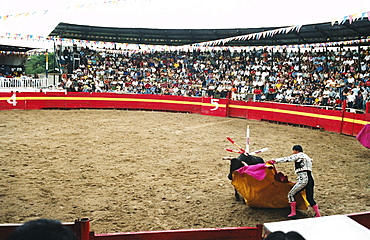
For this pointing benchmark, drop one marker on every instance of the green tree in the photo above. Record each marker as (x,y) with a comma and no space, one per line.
(36,64)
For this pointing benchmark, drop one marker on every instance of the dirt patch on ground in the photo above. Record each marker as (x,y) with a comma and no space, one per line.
(138,171)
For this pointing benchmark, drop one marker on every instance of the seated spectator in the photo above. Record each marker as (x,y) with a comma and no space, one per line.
(280,235)
(42,229)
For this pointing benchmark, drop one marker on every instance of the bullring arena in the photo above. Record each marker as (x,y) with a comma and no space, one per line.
(122,133)
(148,170)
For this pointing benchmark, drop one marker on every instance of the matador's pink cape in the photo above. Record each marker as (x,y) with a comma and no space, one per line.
(364,136)
(257,171)
(264,187)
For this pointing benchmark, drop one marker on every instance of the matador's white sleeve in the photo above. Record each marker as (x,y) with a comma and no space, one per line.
(291,158)
(302,161)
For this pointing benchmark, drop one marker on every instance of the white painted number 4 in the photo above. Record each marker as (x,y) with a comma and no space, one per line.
(214,102)
(12,100)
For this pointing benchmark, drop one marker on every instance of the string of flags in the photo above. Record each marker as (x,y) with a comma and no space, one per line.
(250,36)
(351,18)
(68,8)
(125,47)
(271,33)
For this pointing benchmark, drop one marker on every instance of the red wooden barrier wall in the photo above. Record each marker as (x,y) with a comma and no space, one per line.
(329,120)
(82,230)
(234,233)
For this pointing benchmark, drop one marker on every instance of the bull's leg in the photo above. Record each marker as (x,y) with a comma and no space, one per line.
(237,196)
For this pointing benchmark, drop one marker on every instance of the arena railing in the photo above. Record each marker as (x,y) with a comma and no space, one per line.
(6,83)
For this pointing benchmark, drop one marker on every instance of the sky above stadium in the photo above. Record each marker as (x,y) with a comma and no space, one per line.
(39,17)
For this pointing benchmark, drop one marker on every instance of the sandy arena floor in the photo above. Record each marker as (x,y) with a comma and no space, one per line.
(138,171)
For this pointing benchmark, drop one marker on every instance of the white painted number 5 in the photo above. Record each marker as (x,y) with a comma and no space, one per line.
(214,102)
(12,100)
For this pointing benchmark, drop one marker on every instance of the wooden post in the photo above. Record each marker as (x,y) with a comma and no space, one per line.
(82,229)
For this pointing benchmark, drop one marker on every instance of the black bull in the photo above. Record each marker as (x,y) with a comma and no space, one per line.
(237,163)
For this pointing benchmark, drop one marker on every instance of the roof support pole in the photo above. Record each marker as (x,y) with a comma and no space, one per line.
(272,58)
(359,57)
(326,57)
(55,62)
(46,63)
(299,59)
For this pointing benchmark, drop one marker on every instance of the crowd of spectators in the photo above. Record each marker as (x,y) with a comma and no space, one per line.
(10,71)
(309,77)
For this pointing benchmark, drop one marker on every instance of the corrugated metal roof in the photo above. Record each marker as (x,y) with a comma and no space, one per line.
(308,34)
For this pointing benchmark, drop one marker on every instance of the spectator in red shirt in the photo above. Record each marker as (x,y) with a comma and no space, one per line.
(257,93)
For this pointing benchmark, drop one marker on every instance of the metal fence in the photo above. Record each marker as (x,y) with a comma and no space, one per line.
(23,83)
